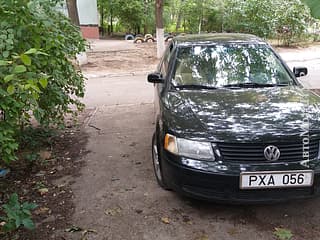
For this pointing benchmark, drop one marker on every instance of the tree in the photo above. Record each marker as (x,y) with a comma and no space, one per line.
(159,27)
(73,12)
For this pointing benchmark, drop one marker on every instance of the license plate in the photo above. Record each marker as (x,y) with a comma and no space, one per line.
(276,179)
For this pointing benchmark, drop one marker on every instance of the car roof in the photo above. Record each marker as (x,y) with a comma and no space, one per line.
(217,38)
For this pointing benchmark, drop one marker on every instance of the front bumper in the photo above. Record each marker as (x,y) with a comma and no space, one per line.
(220,182)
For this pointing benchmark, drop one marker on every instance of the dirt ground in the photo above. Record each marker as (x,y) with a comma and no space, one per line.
(46,181)
(131,58)
(100,180)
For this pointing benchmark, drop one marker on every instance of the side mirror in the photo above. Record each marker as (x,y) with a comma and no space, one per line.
(300,71)
(155,78)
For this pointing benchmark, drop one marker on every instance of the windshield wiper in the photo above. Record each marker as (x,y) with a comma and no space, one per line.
(253,85)
(194,86)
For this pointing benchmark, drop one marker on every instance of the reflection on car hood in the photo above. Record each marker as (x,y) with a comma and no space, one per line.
(244,114)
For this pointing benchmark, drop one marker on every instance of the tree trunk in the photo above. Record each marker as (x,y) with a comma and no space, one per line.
(102,20)
(111,18)
(200,17)
(73,12)
(160,28)
(74,17)
(178,26)
(179,21)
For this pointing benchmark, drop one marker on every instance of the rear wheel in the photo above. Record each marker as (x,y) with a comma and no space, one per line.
(156,159)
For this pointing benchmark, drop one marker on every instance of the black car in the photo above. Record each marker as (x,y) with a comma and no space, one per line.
(233,123)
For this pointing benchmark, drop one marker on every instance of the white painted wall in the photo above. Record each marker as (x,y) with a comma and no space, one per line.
(87,10)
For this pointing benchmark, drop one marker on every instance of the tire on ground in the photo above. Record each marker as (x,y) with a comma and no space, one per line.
(139,40)
(148,36)
(150,40)
(129,37)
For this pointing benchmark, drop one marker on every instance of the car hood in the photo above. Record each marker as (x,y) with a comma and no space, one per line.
(243,114)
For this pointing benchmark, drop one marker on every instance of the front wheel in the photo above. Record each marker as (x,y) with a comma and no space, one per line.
(156,159)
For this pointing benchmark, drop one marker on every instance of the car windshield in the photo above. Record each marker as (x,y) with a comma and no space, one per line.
(231,65)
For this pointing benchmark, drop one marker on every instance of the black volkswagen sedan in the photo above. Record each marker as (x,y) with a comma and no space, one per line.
(233,123)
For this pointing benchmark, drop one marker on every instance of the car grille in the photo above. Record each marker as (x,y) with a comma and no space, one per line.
(254,152)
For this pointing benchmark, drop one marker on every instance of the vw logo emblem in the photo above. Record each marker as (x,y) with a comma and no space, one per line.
(272,153)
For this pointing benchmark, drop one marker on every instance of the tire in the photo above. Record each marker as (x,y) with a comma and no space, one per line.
(150,40)
(169,39)
(129,37)
(139,36)
(156,160)
(138,40)
(148,36)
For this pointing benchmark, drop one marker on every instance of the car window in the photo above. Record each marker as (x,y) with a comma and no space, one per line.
(165,61)
(221,65)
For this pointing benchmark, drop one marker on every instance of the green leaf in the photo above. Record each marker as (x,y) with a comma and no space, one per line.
(42,53)
(36,88)
(25,59)
(20,69)
(11,89)
(5,54)
(4,63)
(29,206)
(31,51)
(8,78)
(26,211)
(28,223)
(9,226)
(283,234)
(43,82)
(18,222)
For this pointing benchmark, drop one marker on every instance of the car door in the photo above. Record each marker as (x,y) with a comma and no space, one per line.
(163,68)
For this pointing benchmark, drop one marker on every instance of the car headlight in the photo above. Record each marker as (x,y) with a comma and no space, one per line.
(188,148)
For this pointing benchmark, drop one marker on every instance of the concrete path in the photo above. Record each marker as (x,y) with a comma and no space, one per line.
(308,57)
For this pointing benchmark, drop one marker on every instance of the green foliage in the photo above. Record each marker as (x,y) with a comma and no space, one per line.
(17,214)
(314,7)
(204,15)
(285,19)
(132,15)
(37,77)
(283,234)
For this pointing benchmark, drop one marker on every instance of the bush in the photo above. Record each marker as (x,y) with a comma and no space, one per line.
(37,77)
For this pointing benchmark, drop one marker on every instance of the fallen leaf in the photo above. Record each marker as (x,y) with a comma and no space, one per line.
(233,231)
(45,155)
(42,210)
(73,229)
(165,220)
(113,211)
(86,232)
(43,191)
(203,237)
(283,234)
